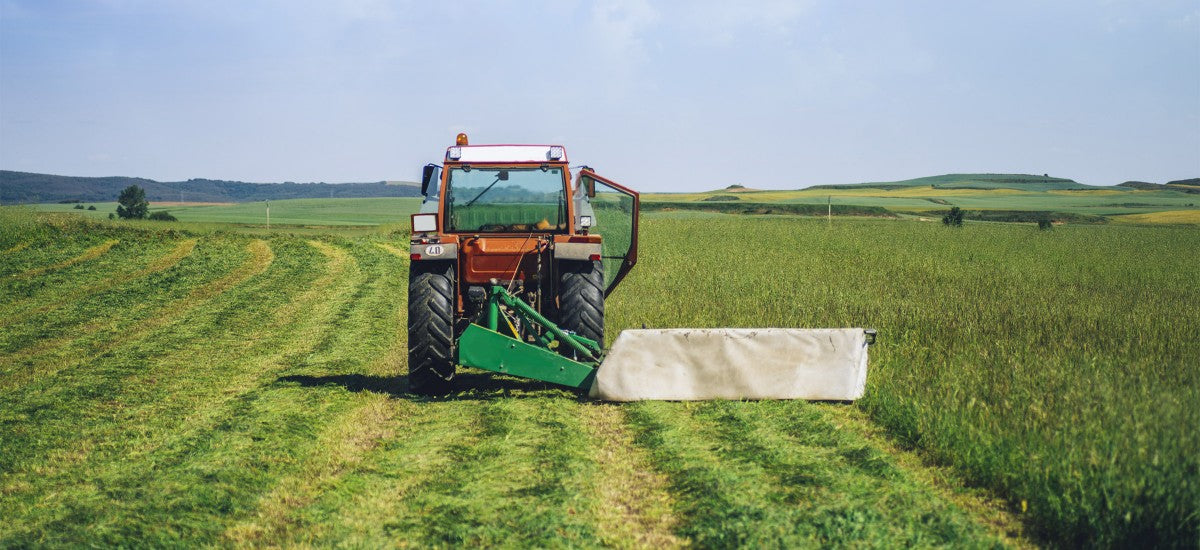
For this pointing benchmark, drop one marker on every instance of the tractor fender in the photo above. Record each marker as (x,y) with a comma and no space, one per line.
(433,251)
(576,251)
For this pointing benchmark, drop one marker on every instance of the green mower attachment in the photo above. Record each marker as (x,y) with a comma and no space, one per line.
(488,349)
(673,364)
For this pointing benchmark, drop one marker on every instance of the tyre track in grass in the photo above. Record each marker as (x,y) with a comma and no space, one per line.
(844,489)
(332,419)
(203,446)
(526,477)
(89,254)
(340,448)
(23,311)
(985,507)
(260,259)
(482,469)
(105,374)
(777,474)
(349,436)
(355,436)
(632,508)
(42,252)
(717,505)
(16,248)
(370,504)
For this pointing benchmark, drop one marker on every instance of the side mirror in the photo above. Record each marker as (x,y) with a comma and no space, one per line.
(427,177)
(502,175)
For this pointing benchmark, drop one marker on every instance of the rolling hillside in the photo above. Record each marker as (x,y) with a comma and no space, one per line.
(1027,182)
(998,197)
(26,187)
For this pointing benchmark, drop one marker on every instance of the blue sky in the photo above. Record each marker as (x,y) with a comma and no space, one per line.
(664,96)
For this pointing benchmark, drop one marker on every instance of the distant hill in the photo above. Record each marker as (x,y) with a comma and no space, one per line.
(26,187)
(1028,182)
(1187,186)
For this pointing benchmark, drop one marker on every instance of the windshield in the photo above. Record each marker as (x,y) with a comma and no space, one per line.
(508,200)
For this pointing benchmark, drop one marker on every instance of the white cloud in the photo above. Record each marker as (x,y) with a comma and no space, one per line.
(722,21)
(618,25)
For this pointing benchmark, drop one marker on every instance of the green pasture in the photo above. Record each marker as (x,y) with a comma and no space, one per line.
(922,201)
(174,387)
(296,212)
(1093,201)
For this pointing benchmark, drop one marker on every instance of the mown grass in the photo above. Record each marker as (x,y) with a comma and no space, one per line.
(250,393)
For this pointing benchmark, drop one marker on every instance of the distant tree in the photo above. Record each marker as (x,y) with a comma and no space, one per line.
(1045,224)
(953,218)
(163,216)
(78,206)
(132,203)
(91,207)
(111,215)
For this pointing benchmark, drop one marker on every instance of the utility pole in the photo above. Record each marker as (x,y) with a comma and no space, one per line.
(830,211)
(268,215)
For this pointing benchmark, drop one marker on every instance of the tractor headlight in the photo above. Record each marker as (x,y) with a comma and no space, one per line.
(556,152)
(424,223)
(585,221)
(454,153)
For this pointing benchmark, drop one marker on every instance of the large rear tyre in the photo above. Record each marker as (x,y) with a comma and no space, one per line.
(581,299)
(430,328)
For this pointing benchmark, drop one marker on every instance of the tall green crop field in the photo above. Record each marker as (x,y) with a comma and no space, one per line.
(165,387)
(1060,368)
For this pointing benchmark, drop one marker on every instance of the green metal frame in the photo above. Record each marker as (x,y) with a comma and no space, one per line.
(484,347)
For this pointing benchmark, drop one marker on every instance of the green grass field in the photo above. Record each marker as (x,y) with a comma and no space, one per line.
(988,196)
(173,386)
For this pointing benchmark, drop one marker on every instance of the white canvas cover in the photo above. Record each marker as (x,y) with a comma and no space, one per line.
(747,363)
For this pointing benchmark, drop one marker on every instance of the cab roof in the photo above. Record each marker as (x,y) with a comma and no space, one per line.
(506,153)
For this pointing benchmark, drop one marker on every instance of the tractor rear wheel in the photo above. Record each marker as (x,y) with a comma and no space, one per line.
(581,299)
(430,327)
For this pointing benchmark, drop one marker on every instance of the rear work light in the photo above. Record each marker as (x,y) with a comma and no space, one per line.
(424,223)
(454,153)
(585,221)
(556,152)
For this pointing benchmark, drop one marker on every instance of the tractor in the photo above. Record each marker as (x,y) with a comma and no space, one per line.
(505,240)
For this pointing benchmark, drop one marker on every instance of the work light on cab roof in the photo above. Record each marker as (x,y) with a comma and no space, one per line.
(511,260)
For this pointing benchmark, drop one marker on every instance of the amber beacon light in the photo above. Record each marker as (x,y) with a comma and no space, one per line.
(461,139)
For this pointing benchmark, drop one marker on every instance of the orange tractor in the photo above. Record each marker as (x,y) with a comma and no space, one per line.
(507,223)
(511,260)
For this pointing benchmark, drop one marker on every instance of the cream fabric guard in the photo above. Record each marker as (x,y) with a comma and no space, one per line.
(767,363)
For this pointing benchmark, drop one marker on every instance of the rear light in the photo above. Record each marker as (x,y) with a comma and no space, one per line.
(414,256)
(594,257)
(454,153)
(556,152)
(422,223)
